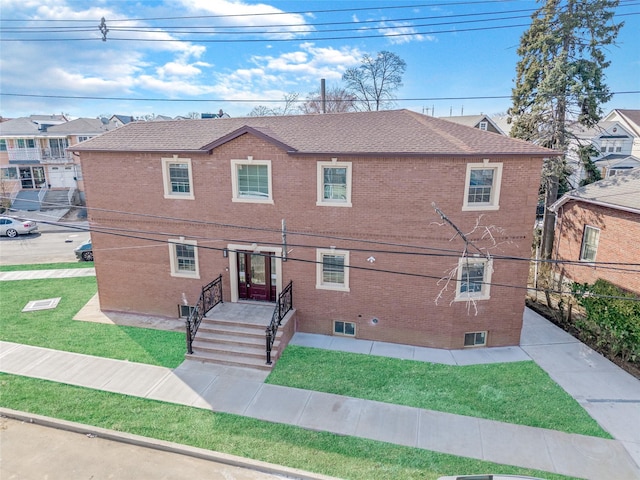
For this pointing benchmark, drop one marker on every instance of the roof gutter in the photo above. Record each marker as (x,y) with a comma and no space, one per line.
(567,198)
(163,151)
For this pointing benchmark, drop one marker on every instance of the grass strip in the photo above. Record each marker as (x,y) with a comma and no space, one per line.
(518,392)
(320,452)
(56,328)
(45,266)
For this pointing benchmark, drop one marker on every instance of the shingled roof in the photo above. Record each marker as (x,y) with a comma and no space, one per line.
(621,192)
(390,132)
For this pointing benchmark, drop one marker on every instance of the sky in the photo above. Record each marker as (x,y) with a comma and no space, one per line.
(177,57)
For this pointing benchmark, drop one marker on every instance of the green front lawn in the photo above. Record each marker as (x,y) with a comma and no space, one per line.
(519,392)
(45,266)
(56,328)
(321,452)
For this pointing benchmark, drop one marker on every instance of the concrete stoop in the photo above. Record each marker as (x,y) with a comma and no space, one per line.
(233,343)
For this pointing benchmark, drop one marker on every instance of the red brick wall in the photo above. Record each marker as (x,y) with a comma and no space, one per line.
(618,242)
(391,199)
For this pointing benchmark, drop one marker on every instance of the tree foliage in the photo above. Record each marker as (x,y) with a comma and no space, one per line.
(290,107)
(337,100)
(375,81)
(560,79)
(613,323)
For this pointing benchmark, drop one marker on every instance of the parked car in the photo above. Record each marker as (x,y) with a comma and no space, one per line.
(84,251)
(12,227)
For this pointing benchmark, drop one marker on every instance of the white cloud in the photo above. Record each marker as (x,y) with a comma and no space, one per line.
(402,32)
(172,88)
(265,18)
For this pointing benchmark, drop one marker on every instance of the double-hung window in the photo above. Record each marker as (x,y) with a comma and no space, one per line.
(589,247)
(482,186)
(332,269)
(474,278)
(334,184)
(178,178)
(251,181)
(25,143)
(183,258)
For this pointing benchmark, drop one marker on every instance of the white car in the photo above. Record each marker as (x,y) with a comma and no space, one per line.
(12,227)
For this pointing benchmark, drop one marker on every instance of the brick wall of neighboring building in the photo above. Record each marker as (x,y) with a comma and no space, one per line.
(392,200)
(618,243)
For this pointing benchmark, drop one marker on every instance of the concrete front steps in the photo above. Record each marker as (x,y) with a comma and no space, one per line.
(231,342)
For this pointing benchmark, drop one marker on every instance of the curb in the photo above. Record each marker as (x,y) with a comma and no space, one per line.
(161,445)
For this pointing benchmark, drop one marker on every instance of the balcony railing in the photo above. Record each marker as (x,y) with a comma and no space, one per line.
(53,155)
(24,154)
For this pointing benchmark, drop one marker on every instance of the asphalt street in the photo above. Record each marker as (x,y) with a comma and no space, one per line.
(33,451)
(41,247)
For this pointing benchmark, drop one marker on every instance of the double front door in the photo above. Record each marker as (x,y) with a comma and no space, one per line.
(257,276)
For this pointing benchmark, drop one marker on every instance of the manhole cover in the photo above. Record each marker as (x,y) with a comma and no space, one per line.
(45,304)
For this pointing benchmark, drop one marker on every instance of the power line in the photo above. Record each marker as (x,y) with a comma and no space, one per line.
(262,14)
(264,100)
(418,250)
(370,269)
(288,36)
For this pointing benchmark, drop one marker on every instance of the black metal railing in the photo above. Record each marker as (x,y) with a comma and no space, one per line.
(283,305)
(211,296)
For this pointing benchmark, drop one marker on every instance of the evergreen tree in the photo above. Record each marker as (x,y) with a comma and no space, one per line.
(560,79)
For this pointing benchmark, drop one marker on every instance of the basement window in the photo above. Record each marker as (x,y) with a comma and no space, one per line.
(344,328)
(475,339)
(184,311)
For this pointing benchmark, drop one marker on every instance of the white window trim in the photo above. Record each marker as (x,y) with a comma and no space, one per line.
(234,181)
(232,252)
(355,331)
(341,287)
(495,190)
(320,201)
(483,126)
(476,345)
(173,258)
(166,179)
(584,233)
(485,293)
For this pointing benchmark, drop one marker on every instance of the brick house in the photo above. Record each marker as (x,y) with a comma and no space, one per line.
(599,224)
(37,170)
(341,204)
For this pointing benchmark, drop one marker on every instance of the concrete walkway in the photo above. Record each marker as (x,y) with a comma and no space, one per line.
(609,394)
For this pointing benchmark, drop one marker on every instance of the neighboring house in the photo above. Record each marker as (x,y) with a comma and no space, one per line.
(482,122)
(597,229)
(629,119)
(341,204)
(120,120)
(35,164)
(614,164)
(616,139)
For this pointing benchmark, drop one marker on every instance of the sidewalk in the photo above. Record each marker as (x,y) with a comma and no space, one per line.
(609,394)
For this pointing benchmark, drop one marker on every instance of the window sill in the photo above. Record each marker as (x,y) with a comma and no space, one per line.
(333,204)
(268,201)
(195,275)
(178,197)
(476,208)
(471,298)
(336,288)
